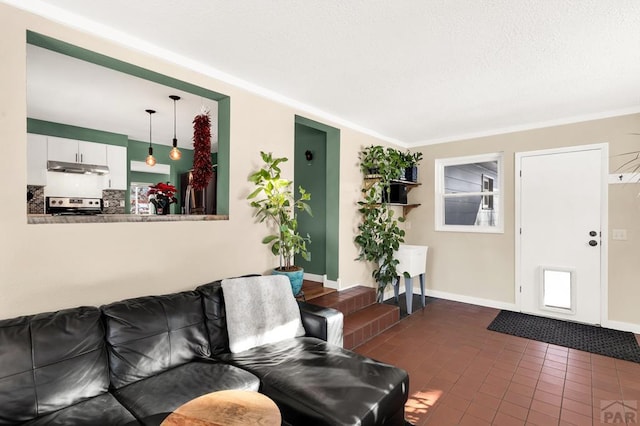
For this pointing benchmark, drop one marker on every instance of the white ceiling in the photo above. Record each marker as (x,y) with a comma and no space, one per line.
(411,71)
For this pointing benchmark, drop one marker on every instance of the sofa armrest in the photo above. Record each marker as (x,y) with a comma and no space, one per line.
(323,323)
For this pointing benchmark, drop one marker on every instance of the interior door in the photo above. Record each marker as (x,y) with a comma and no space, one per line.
(560,217)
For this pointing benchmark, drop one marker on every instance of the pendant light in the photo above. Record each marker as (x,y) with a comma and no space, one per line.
(151,161)
(175,153)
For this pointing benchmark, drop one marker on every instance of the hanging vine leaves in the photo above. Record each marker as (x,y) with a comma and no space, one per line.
(202,166)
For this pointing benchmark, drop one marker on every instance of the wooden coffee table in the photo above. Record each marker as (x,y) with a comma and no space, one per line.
(228,408)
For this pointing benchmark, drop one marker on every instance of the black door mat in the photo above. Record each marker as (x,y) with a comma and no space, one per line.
(588,338)
(402,304)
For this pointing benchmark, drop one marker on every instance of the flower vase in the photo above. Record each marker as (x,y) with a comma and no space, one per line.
(162,205)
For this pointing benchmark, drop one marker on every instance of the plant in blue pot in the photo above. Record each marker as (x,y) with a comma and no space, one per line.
(278,206)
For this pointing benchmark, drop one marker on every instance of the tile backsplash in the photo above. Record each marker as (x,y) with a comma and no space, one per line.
(113,201)
(36,204)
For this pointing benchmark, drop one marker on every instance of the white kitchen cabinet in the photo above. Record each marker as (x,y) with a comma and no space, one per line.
(61,149)
(92,153)
(36,159)
(117,162)
(74,151)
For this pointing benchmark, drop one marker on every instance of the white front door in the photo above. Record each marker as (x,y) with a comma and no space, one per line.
(560,199)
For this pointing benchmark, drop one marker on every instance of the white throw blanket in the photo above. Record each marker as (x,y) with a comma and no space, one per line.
(260,310)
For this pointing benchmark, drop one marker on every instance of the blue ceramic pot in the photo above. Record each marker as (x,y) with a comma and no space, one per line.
(295,278)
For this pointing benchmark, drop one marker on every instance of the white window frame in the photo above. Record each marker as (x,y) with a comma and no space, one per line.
(440,164)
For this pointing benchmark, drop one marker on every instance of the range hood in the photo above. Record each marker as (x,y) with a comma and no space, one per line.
(79,168)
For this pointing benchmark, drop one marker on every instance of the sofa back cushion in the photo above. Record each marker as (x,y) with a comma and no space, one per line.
(151,334)
(214,310)
(49,361)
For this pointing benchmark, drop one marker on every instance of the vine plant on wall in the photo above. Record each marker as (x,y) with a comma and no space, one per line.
(379,234)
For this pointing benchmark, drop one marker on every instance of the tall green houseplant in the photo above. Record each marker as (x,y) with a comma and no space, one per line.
(278,207)
(379,234)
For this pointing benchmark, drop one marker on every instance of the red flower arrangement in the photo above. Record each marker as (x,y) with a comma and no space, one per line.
(164,196)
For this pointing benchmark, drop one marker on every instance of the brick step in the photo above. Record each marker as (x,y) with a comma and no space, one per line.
(313,289)
(363,317)
(346,301)
(368,322)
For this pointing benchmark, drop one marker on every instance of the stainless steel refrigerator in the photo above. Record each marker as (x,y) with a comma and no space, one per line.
(197,202)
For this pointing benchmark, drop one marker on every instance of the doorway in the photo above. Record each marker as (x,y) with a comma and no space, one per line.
(561,241)
(317,170)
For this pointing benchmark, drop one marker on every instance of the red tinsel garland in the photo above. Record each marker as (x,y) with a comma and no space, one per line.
(202,167)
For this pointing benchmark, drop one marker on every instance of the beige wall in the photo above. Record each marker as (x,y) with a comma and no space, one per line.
(47,267)
(482,266)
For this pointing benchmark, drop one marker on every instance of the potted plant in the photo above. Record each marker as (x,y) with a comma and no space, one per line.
(279,207)
(379,237)
(410,172)
(379,234)
(371,159)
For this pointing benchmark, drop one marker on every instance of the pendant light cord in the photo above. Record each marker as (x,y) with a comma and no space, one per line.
(150,129)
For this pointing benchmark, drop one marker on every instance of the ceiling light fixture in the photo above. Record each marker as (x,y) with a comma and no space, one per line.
(175,153)
(151,161)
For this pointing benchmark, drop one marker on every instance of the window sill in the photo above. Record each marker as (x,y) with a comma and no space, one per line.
(471,229)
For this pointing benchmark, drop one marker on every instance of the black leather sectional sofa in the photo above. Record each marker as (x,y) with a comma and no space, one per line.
(133,362)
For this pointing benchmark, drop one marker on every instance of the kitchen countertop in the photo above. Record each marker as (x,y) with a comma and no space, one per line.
(113,218)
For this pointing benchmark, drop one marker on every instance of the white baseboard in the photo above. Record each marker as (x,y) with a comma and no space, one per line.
(496,304)
(388,293)
(622,326)
(323,279)
(331,283)
(314,277)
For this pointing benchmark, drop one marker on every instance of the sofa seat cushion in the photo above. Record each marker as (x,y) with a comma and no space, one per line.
(100,410)
(154,398)
(317,383)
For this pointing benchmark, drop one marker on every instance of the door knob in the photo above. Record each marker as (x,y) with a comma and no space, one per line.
(593,233)
(593,243)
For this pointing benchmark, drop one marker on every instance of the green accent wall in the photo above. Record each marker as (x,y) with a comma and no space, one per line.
(331,176)
(312,176)
(222,158)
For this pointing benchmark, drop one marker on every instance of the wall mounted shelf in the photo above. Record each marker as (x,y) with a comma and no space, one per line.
(371,180)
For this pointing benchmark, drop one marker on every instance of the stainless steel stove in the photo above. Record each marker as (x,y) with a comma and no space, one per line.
(73,206)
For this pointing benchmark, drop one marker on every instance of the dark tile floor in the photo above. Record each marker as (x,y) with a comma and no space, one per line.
(460,373)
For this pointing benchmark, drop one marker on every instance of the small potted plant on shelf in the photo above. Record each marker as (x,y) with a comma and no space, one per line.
(411,161)
(279,208)
(371,159)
